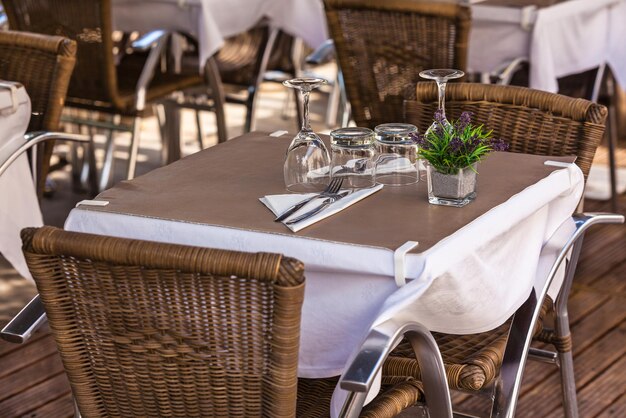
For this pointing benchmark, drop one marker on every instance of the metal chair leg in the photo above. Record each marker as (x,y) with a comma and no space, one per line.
(133,149)
(199,129)
(106,174)
(217,89)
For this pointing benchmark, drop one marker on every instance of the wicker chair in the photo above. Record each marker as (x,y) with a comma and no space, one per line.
(533,122)
(43,65)
(151,329)
(382,46)
(98,83)
(246,60)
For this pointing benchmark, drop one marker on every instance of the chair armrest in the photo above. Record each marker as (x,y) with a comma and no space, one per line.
(568,237)
(148,40)
(323,54)
(34,138)
(504,74)
(361,372)
(157,45)
(27,321)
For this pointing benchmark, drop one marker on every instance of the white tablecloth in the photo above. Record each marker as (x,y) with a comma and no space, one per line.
(471,281)
(567,38)
(19,207)
(211,21)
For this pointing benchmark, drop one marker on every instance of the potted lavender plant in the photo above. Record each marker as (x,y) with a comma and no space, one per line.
(453,150)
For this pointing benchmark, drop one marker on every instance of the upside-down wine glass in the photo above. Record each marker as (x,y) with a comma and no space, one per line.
(307,163)
(441,77)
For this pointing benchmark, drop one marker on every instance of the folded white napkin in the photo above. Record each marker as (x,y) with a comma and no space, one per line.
(279,203)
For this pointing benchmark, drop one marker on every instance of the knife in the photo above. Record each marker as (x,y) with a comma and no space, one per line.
(318,209)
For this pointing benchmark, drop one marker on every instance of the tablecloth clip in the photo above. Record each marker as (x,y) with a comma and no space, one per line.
(13,88)
(92,203)
(529,17)
(562,164)
(399,257)
(276,134)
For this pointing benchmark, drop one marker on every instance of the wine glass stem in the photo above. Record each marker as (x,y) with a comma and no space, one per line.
(305,111)
(441,88)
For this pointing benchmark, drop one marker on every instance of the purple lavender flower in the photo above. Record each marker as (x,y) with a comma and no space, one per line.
(499,144)
(420,140)
(455,144)
(464,121)
(439,116)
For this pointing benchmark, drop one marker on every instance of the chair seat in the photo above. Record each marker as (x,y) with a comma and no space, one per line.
(472,362)
(128,73)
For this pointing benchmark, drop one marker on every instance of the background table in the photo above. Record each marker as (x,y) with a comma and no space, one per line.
(211,21)
(19,207)
(565,38)
(473,267)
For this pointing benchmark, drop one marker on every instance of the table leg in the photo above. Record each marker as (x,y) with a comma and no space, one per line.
(171,140)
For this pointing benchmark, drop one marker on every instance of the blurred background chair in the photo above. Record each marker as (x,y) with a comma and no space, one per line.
(532,122)
(118,86)
(244,62)
(43,65)
(380,71)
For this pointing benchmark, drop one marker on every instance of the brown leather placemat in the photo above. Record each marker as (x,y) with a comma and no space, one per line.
(222,186)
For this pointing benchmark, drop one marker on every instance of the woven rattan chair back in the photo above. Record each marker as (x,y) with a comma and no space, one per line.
(383,45)
(239,60)
(531,121)
(88,22)
(43,64)
(150,329)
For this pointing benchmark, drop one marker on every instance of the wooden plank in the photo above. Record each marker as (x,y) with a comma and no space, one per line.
(545,397)
(615,410)
(606,390)
(35,351)
(590,327)
(35,396)
(612,282)
(603,259)
(62,407)
(30,375)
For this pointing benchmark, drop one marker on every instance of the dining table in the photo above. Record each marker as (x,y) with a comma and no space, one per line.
(557,37)
(212,21)
(19,206)
(457,270)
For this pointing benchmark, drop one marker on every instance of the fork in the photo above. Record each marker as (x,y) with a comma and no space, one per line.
(329,201)
(333,187)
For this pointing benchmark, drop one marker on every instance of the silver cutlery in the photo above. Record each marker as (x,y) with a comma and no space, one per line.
(333,187)
(329,201)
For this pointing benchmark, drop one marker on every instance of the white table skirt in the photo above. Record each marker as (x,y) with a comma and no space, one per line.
(19,207)
(471,281)
(567,38)
(211,21)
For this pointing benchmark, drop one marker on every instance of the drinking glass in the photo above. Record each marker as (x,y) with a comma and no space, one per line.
(396,159)
(352,153)
(441,77)
(307,163)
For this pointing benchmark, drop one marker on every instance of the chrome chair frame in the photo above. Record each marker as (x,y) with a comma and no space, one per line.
(360,375)
(34,138)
